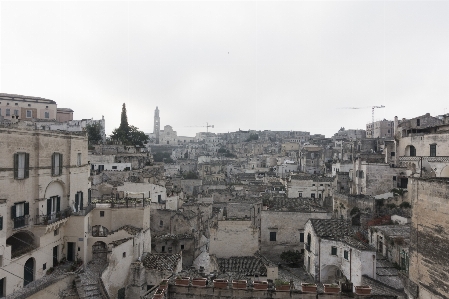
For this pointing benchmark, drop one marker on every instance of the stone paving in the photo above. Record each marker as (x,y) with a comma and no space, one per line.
(87,283)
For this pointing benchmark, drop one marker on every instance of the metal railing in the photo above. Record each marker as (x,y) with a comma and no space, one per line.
(21,221)
(48,219)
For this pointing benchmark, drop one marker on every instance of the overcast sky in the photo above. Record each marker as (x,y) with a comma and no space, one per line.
(248,65)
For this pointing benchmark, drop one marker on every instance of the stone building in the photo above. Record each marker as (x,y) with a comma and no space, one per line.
(332,252)
(381,129)
(46,215)
(429,239)
(311,159)
(392,241)
(14,106)
(423,146)
(282,226)
(44,178)
(309,186)
(371,176)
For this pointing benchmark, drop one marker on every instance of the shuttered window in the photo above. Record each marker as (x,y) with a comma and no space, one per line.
(21,166)
(56,164)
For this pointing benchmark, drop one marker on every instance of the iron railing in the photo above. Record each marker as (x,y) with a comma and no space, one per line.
(21,221)
(48,219)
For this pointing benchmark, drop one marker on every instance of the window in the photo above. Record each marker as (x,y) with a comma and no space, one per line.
(312,195)
(393,154)
(433,150)
(47,114)
(21,165)
(29,113)
(163,249)
(79,201)
(17,104)
(19,211)
(418,122)
(101,213)
(53,206)
(334,250)
(124,254)
(394,178)
(161,223)
(412,151)
(346,255)
(1,223)
(56,164)
(0,111)
(182,246)
(44,266)
(301,237)
(16,112)
(56,232)
(78,159)
(114,167)
(29,105)
(272,236)
(8,112)
(300,194)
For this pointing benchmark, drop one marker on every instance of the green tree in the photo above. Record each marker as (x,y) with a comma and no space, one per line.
(94,133)
(126,134)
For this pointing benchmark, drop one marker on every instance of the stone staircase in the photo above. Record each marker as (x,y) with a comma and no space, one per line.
(87,284)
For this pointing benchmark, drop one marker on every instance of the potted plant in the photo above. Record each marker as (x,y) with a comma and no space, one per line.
(282,285)
(239,284)
(220,283)
(331,288)
(308,287)
(261,285)
(363,290)
(199,282)
(182,281)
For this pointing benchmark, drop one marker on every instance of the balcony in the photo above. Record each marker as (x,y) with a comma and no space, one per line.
(84,211)
(55,217)
(21,221)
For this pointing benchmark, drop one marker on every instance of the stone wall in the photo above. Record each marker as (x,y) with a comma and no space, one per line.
(234,238)
(429,244)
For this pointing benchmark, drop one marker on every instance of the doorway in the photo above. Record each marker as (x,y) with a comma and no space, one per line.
(28,271)
(55,256)
(71,251)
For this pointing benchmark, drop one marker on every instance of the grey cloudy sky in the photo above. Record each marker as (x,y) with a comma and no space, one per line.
(249,65)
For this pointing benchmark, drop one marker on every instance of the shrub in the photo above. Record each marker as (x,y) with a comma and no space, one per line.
(291,256)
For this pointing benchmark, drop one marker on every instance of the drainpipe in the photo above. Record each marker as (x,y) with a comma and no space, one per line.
(319,259)
(374,266)
(350,264)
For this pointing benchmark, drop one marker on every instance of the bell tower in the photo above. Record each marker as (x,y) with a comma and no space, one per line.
(157,124)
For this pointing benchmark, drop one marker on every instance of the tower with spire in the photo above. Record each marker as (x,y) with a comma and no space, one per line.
(157,124)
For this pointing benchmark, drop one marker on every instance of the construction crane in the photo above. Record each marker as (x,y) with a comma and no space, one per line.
(207,126)
(372,114)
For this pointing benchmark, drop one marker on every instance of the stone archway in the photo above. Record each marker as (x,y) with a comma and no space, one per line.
(445,172)
(21,243)
(100,251)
